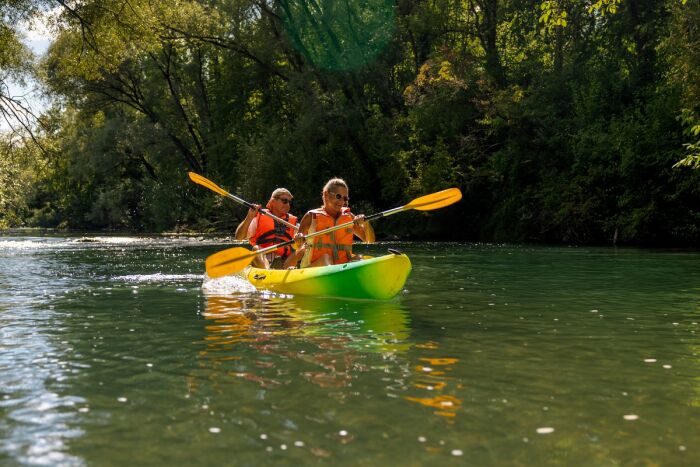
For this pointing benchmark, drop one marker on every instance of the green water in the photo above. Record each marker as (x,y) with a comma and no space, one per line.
(115,352)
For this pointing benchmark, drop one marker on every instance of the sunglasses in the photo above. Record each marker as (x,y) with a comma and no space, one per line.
(339,196)
(285,200)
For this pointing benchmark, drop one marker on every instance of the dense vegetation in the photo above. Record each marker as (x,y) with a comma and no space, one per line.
(560,120)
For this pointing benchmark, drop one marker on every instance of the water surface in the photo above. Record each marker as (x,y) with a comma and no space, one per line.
(116,350)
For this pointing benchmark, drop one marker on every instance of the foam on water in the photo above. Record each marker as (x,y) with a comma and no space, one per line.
(227,285)
(158,277)
(26,244)
(41,243)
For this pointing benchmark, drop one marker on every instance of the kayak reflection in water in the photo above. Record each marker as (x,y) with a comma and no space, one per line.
(334,247)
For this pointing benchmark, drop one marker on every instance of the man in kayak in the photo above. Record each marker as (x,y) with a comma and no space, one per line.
(334,247)
(263,231)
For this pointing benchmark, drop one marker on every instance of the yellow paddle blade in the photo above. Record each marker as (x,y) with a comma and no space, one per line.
(205,182)
(436,200)
(229,261)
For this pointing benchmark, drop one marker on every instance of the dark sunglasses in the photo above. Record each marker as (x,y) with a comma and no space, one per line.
(339,196)
(285,200)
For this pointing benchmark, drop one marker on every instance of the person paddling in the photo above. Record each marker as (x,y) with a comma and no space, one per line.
(334,247)
(263,231)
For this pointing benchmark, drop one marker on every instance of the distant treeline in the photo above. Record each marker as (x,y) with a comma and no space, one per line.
(560,120)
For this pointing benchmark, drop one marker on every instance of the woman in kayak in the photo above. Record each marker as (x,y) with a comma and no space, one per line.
(334,247)
(263,231)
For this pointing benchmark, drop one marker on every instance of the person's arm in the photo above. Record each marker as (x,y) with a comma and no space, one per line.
(299,242)
(305,224)
(243,227)
(293,259)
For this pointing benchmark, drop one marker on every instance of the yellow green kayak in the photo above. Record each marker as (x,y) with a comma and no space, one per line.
(378,278)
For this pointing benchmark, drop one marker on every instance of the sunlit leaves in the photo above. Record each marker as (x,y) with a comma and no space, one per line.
(604,6)
(691,124)
(553,14)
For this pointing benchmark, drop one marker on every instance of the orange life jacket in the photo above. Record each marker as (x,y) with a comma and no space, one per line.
(270,232)
(337,244)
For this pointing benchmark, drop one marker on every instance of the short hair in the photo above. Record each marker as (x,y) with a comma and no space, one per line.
(280,191)
(275,194)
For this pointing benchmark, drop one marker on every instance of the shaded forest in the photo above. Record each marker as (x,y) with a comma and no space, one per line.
(560,120)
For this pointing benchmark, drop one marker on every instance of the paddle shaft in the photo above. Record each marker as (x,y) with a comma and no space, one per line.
(198,179)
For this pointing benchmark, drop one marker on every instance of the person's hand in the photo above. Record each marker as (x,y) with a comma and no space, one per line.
(359,220)
(299,241)
(252,212)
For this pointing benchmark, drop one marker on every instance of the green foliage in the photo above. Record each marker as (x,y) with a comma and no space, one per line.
(19,164)
(560,123)
(692,130)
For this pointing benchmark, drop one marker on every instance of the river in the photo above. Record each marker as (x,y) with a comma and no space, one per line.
(115,350)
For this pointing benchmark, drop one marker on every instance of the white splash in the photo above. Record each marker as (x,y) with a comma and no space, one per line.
(227,285)
(158,277)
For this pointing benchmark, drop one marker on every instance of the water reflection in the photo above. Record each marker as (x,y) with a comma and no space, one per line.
(328,339)
(432,378)
(367,325)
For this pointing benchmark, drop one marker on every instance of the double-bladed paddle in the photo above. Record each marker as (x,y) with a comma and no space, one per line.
(205,182)
(234,259)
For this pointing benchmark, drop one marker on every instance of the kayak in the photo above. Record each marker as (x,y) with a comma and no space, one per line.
(377,278)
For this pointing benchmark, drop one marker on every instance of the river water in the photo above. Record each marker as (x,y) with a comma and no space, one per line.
(115,350)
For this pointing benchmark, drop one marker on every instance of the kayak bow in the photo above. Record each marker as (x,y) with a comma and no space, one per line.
(377,278)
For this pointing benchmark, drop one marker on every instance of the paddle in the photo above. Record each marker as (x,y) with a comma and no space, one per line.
(205,182)
(233,260)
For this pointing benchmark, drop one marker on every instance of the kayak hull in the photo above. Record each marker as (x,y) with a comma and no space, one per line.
(374,278)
